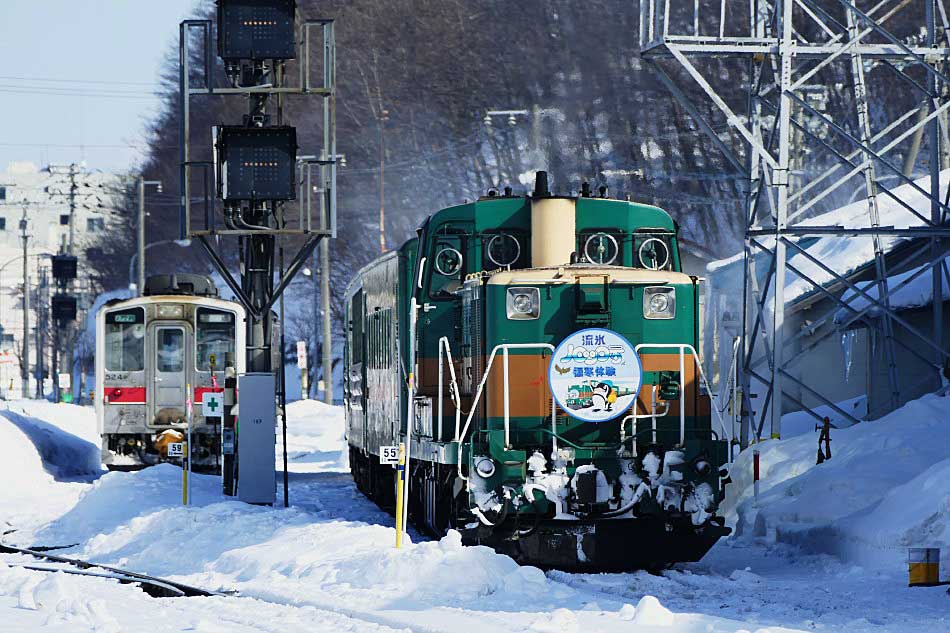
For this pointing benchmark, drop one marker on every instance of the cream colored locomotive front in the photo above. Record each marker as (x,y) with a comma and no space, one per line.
(149,351)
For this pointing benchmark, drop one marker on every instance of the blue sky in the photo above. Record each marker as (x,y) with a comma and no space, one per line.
(53,51)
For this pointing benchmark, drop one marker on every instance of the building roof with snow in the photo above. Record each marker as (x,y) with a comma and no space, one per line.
(844,254)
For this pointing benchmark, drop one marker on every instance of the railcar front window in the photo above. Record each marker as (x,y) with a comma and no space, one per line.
(125,340)
(171,351)
(215,338)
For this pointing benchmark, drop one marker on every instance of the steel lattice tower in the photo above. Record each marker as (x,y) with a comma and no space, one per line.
(793,51)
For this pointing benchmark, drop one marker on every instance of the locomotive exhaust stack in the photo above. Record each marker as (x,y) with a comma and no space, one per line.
(553,226)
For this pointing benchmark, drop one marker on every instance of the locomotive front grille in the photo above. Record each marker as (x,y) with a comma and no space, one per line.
(473,346)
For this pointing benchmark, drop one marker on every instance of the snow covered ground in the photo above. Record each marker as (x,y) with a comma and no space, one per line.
(327,563)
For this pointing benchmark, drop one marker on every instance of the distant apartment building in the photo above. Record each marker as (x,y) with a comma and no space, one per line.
(60,203)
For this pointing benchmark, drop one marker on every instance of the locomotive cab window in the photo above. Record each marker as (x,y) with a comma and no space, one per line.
(504,249)
(125,340)
(653,249)
(215,336)
(603,247)
(448,263)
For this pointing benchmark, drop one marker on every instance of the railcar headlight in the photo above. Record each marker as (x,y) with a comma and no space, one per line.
(659,303)
(523,304)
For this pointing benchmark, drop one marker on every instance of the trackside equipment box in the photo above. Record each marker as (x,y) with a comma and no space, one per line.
(256,438)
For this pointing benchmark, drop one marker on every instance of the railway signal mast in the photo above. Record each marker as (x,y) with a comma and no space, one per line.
(64,309)
(253,169)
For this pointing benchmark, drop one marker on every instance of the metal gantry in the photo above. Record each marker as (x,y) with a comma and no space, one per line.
(794,54)
(212,224)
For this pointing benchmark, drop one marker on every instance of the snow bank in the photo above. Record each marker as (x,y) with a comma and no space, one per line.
(803,423)
(885,489)
(315,437)
(64,454)
(46,463)
(328,563)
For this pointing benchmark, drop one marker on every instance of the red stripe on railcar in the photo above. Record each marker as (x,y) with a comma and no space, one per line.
(201,391)
(124,395)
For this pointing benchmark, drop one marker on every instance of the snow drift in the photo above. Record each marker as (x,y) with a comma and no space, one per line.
(45,462)
(886,488)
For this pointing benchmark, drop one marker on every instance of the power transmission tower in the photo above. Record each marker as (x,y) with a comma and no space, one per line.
(791,49)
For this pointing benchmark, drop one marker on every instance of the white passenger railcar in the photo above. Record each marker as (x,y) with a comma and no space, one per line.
(157,353)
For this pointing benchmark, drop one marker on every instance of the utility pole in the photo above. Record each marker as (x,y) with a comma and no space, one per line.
(25,369)
(73,171)
(316,332)
(383,117)
(140,230)
(42,324)
(327,326)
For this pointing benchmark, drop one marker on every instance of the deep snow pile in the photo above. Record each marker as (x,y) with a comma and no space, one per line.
(47,453)
(315,438)
(325,564)
(886,488)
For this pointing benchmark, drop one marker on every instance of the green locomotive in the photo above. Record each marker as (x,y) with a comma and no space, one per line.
(557,405)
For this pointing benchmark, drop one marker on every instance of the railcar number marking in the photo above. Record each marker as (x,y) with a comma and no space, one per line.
(388,454)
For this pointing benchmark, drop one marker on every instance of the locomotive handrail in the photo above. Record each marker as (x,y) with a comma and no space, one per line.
(682,347)
(652,415)
(445,350)
(504,347)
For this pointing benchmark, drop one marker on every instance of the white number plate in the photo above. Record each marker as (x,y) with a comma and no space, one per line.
(388,454)
(176,449)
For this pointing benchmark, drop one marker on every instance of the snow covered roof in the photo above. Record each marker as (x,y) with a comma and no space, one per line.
(911,289)
(845,254)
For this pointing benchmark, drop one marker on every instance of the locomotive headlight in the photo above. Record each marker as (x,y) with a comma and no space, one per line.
(659,303)
(485,467)
(523,304)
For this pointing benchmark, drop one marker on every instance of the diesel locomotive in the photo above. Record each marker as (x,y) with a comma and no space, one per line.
(537,356)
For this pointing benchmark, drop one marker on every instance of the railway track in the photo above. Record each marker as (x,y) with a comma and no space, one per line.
(152,585)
